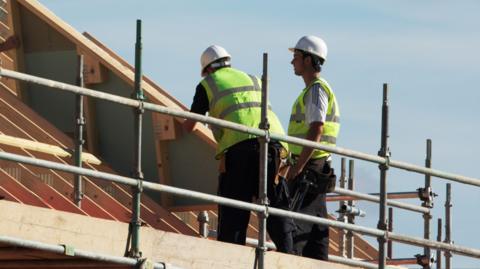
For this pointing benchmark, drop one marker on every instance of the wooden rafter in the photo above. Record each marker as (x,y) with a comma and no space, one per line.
(16,55)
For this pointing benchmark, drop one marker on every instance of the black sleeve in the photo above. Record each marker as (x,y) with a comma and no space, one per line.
(200,101)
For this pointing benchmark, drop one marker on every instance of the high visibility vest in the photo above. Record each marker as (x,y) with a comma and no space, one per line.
(299,128)
(236,96)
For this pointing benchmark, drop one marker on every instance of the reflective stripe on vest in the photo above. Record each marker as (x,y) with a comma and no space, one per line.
(219,94)
(323,138)
(236,96)
(236,107)
(298,127)
(299,116)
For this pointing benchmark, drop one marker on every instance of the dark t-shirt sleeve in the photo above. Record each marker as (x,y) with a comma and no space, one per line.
(200,101)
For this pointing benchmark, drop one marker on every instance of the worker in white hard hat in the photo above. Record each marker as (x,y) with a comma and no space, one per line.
(315,116)
(230,94)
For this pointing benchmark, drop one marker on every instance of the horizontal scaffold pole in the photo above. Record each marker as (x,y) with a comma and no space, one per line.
(241,205)
(376,199)
(237,127)
(59,249)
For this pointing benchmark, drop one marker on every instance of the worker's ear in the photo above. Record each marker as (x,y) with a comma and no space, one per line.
(307,60)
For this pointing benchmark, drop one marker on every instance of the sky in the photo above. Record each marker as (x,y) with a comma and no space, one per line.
(427,51)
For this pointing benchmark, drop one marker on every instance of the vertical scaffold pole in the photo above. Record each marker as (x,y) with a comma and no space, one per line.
(390,229)
(264,124)
(439,239)
(428,203)
(351,217)
(203,219)
(384,152)
(80,122)
(448,225)
(137,172)
(342,218)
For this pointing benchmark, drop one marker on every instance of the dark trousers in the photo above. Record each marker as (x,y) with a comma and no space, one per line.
(240,181)
(311,240)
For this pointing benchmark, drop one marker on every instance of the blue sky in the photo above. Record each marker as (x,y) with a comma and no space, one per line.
(426,50)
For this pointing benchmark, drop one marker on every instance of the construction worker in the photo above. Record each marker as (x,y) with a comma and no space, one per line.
(314,116)
(230,94)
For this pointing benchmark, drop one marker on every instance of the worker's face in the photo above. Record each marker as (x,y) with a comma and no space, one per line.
(298,63)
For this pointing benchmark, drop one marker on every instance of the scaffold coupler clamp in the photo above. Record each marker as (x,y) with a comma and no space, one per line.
(384,227)
(347,210)
(141,106)
(68,250)
(266,203)
(386,154)
(139,186)
(260,249)
(146,264)
(426,195)
(424,260)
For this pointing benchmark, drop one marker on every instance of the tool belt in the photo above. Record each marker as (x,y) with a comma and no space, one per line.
(311,182)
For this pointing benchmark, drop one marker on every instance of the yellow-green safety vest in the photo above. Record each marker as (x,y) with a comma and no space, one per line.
(299,128)
(236,96)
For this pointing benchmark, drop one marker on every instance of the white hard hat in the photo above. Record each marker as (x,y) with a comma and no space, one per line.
(313,45)
(211,54)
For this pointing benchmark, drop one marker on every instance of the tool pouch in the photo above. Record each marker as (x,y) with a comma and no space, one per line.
(321,182)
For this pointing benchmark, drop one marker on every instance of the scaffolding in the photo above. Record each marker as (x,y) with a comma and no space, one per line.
(383,232)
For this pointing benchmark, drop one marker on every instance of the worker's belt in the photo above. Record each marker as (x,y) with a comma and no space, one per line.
(328,158)
(252,144)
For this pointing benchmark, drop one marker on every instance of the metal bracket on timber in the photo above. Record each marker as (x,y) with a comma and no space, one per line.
(94,71)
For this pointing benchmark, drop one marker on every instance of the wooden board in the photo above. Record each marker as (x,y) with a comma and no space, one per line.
(178,250)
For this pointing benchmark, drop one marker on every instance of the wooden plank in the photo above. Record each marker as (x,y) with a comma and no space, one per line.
(17,54)
(162,127)
(45,148)
(179,250)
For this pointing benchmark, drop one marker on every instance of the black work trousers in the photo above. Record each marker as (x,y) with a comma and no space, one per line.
(240,181)
(311,240)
